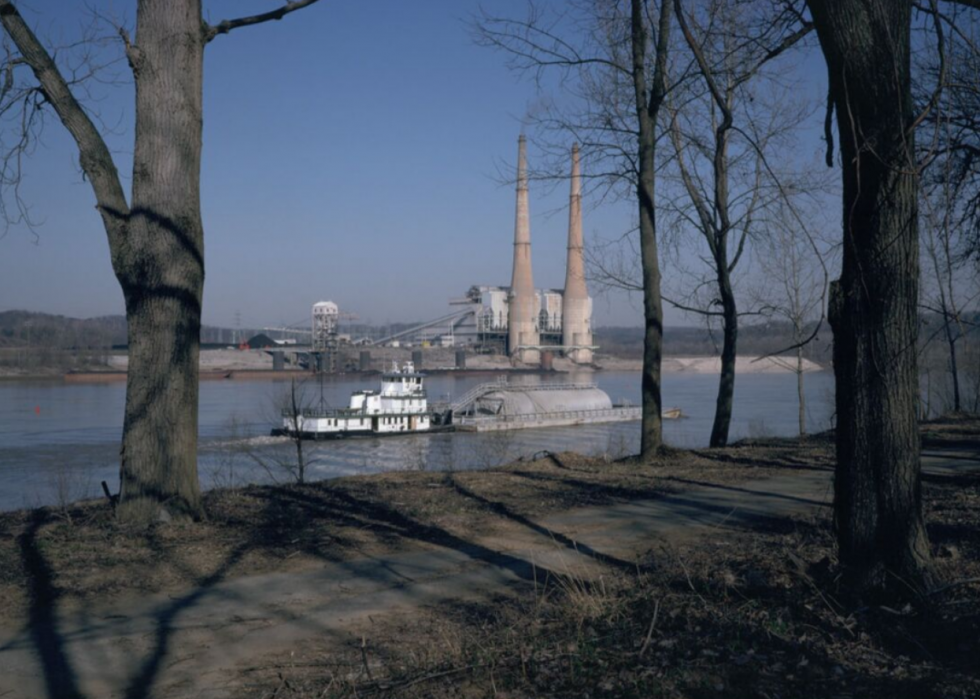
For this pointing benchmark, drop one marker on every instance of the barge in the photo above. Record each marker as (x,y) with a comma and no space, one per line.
(505,406)
(401,407)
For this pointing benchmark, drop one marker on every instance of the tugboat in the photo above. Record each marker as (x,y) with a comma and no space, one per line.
(400,407)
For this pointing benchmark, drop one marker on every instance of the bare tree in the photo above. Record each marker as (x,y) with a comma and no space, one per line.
(794,291)
(873,306)
(950,197)
(156,239)
(611,57)
(292,406)
(722,127)
(949,82)
(946,288)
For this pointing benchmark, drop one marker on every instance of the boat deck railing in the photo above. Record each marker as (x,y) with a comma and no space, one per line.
(324,412)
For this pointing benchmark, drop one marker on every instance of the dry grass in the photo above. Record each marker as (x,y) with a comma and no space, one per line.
(758,614)
(260,529)
(755,613)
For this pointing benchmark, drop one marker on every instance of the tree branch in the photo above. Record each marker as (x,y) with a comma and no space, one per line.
(94,156)
(225,26)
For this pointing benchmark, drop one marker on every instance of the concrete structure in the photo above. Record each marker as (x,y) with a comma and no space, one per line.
(522,336)
(514,400)
(576,310)
(501,406)
(519,319)
(325,315)
(324,341)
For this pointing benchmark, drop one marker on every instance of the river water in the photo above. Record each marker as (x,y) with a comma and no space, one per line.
(58,441)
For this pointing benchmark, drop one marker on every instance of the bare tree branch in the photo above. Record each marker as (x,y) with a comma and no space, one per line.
(225,26)
(94,156)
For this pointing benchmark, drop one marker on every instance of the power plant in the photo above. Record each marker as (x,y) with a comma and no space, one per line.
(529,319)
(517,319)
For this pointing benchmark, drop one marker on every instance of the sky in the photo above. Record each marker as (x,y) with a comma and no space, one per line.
(352,152)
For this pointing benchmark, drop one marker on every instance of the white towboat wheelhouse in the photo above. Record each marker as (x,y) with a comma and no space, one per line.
(401,406)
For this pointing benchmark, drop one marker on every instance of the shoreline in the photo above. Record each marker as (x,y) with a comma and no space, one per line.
(671,365)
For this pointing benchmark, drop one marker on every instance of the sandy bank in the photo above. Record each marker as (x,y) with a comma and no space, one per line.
(229,360)
(711,365)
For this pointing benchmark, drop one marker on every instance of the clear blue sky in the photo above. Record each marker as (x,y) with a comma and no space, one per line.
(350,153)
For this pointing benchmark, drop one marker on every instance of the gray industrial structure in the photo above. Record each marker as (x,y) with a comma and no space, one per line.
(519,318)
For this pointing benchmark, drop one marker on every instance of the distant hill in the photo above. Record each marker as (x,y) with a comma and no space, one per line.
(22,329)
(27,329)
(699,342)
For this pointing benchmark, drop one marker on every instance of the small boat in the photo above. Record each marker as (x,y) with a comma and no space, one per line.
(400,407)
(671,413)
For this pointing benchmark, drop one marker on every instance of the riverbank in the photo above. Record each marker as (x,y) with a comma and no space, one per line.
(598,586)
(239,364)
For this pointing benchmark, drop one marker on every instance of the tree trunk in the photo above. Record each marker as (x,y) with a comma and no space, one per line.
(296,409)
(953,369)
(652,428)
(726,381)
(799,389)
(873,312)
(161,265)
(648,108)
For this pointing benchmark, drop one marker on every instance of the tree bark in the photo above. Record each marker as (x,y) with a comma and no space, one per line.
(877,507)
(726,381)
(953,368)
(800,394)
(647,111)
(162,268)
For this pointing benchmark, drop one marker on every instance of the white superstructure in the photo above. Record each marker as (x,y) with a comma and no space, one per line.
(400,406)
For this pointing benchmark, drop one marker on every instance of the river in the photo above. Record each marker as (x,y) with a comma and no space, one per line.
(58,440)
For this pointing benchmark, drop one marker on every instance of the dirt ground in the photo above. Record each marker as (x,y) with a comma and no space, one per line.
(758,612)
(275,528)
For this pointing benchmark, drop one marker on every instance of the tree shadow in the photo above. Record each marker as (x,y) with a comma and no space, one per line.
(749,491)
(684,509)
(346,509)
(571,544)
(779,462)
(59,675)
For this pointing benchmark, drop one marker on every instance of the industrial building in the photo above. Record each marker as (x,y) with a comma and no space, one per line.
(520,319)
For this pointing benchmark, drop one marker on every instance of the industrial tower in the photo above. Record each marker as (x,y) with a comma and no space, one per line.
(576,304)
(523,340)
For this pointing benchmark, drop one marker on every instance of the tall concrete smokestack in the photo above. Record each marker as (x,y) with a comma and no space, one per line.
(576,306)
(522,315)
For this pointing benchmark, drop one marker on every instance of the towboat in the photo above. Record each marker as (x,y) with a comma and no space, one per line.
(400,407)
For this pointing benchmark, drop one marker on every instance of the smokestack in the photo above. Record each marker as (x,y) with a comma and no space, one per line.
(576,306)
(523,313)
